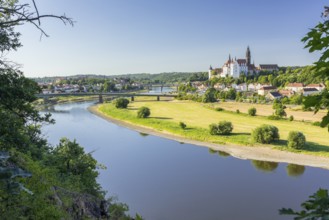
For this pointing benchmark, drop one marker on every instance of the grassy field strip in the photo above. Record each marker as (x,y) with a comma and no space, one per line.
(266,110)
(165,116)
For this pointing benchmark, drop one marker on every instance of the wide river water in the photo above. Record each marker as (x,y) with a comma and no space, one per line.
(163,179)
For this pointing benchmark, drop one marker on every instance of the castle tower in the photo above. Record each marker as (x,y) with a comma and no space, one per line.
(248,56)
(210,72)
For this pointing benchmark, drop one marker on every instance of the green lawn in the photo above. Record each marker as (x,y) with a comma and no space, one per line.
(165,117)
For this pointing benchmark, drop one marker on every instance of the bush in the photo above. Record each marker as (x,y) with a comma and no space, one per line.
(238,111)
(252,111)
(291,118)
(222,128)
(219,109)
(182,125)
(273,117)
(265,134)
(296,140)
(121,103)
(143,112)
(279,111)
(317,123)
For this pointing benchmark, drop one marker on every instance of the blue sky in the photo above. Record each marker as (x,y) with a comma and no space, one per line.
(153,36)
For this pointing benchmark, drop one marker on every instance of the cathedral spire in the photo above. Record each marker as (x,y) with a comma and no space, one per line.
(229,58)
(248,56)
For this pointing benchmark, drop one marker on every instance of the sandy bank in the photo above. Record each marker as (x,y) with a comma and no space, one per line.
(241,152)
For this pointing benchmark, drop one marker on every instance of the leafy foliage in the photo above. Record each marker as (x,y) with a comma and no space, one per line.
(143,112)
(121,103)
(265,134)
(222,128)
(296,140)
(317,207)
(209,96)
(182,125)
(318,40)
(291,118)
(252,111)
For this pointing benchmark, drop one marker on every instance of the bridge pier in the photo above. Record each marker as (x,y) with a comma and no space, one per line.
(132,98)
(100,99)
(158,98)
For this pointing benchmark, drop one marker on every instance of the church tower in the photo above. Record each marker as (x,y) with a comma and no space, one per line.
(248,56)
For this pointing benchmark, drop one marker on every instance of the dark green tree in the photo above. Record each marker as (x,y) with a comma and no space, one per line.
(317,207)
(252,111)
(143,112)
(317,40)
(121,103)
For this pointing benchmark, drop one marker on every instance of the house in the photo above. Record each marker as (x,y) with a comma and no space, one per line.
(320,87)
(309,91)
(218,86)
(273,95)
(243,87)
(286,93)
(266,89)
(296,87)
(254,87)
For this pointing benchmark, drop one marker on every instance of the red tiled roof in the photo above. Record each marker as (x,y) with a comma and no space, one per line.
(295,85)
(314,85)
(286,92)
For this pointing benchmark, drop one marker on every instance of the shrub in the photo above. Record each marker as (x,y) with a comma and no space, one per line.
(143,112)
(273,117)
(291,118)
(296,140)
(265,134)
(238,111)
(316,123)
(121,103)
(279,111)
(222,128)
(219,109)
(252,111)
(182,125)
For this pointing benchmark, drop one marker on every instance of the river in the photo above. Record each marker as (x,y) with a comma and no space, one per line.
(163,179)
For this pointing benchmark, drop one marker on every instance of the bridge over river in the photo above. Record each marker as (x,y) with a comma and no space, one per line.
(101,95)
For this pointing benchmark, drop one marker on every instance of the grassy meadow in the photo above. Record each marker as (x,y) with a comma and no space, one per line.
(166,115)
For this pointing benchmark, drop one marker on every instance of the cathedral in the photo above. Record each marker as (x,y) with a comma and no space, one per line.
(234,67)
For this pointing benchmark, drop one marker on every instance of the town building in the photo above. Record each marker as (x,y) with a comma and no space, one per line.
(296,87)
(266,89)
(309,91)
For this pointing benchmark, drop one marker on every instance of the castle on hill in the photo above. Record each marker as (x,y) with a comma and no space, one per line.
(236,67)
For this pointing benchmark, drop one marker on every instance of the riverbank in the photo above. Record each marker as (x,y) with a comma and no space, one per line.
(242,152)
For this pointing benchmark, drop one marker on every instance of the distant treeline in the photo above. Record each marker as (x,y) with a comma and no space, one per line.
(145,78)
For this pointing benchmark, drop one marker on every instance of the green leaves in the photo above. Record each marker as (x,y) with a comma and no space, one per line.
(317,207)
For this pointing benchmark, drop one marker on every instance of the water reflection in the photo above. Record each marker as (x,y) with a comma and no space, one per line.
(295,170)
(212,151)
(220,153)
(265,166)
(223,154)
(143,134)
(52,109)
